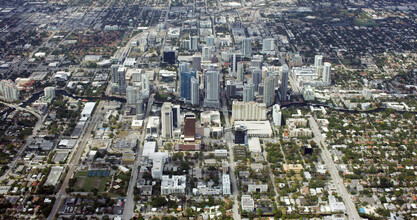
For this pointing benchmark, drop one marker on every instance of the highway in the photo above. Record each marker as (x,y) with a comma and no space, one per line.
(61,195)
(340,187)
(128,211)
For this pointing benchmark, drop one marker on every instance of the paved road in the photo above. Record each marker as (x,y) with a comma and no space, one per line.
(128,211)
(340,187)
(61,195)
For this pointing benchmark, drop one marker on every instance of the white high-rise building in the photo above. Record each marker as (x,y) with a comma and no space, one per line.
(9,91)
(236,58)
(277,115)
(318,61)
(226,184)
(195,91)
(118,78)
(327,73)
(49,92)
(251,111)
(269,91)
(167,120)
(240,72)
(284,83)
(268,46)
(146,86)
(247,47)
(206,53)
(132,94)
(248,93)
(212,89)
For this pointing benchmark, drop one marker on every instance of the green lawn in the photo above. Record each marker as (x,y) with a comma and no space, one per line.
(87,184)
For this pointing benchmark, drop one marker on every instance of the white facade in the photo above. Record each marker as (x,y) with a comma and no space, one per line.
(157,168)
(132,94)
(9,91)
(206,53)
(251,111)
(49,92)
(318,61)
(247,203)
(167,120)
(212,97)
(254,145)
(174,185)
(195,91)
(327,73)
(88,109)
(277,115)
(240,74)
(247,47)
(268,46)
(269,91)
(226,184)
(257,187)
(248,93)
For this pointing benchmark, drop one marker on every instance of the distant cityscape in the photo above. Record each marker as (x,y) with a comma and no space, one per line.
(178,109)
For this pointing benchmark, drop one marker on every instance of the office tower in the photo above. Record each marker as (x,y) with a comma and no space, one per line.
(236,58)
(240,72)
(49,92)
(206,51)
(247,47)
(167,120)
(269,91)
(176,116)
(169,57)
(210,41)
(251,111)
(184,67)
(318,61)
(146,86)
(276,115)
(268,46)
(189,127)
(248,93)
(195,91)
(186,44)
(257,63)
(241,135)
(185,87)
(256,78)
(140,108)
(327,73)
(132,94)
(230,89)
(194,43)
(9,91)
(118,74)
(212,89)
(284,83)
(197,63)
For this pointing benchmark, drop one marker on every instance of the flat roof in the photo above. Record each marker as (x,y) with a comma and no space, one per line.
(256,128)
(254,145)
(149,148)
(88,108)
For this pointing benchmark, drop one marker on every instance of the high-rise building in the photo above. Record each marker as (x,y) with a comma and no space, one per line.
(185,86)
(9,91)
(236,58)
(241,135)
(194,43)
(327,73)
(248,93)
(276,115)
(132,94)
(169,57)
(167,120)
(189,127)
(212,89)
(176,116)
(195,91)
(210,41)
(251,111)
(318,61)
(49,92)
(269,91)
(197,63)
(240,75)
(284,83)
(268,46)
(247,47)
(140,108)
(256,78)
(206,52)
(184,67)
(118,74)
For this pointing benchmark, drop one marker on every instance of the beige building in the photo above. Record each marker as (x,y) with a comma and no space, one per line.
(250,111)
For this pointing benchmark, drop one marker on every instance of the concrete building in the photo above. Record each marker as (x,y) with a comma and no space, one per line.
(269,91)
(241,135)
(189,127)
(206,52)
(49,92)
(226,184)
(194,43)
(309,93)
(88,109)
(251,111)
(240,73)
(284,83)
(247,47)
(9,91)
(276,115)
(268,46)
(212,89)
(327,67)
(185,87)
(318,61)
(256,78)
(118,79)
(174,185)
(248,203)
(254,145)
(132,94)
(248,93)
(167,120)
(260,129)
(257,187)
(157,168)
(195,91)
(197,63)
